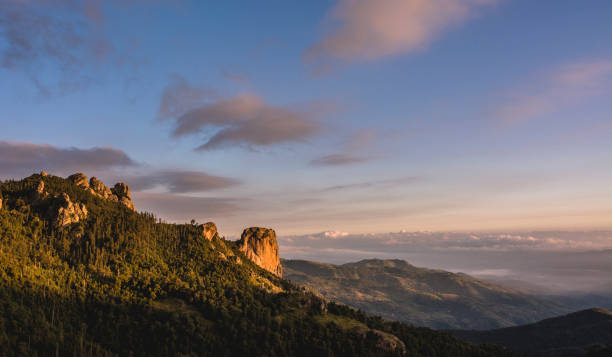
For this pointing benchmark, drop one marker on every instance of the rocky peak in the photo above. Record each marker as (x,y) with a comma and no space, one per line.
(119,193)
(209,230)
(122,191)
(79,179)
(260,246)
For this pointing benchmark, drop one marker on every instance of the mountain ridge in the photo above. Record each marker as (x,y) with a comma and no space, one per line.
(120,282)
(574,334)
(395,289)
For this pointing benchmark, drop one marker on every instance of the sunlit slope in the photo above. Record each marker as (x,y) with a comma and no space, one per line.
(397,290)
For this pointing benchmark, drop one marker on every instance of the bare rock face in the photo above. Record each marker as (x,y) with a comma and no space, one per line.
(79,179)
(122,191)
(0,202)
(98,188)
(119,193)
(260,246)
(44,174)
(209,230)
(67,212)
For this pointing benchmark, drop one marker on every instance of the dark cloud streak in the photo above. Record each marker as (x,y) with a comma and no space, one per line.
(181,181)
(242,120)
(22,158)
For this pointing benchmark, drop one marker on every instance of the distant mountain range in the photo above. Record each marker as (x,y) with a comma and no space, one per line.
(587,332)
(398,290)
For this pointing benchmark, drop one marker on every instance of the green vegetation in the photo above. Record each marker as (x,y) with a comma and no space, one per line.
(125,283)
(587,332)
(397,290)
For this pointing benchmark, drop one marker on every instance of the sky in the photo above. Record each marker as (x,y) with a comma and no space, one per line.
(346,116)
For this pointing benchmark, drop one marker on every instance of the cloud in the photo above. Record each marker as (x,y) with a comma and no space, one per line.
(179,97)
(335,234)
(241,120)
(370,30)
(179,208)
(563,88)
(337,160)
(366,184)
(23,158)
(59,44)
(178,181)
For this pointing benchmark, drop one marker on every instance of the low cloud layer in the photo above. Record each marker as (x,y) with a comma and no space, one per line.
(550,261)
(18,159)
(180,181)
(244,120)
(369,30)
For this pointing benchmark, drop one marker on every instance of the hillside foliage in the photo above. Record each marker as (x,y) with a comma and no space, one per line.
(126,283)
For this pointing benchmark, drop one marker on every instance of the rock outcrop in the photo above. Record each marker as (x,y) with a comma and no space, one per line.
(65,212)
(79,179)
(122,191)
(98,188)
(119,193)
(260,246)
(209,230)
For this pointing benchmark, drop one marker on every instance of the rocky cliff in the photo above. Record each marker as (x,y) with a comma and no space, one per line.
(260,246)
(209,230)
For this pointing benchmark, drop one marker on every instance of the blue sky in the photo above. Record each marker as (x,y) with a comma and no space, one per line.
(320,115)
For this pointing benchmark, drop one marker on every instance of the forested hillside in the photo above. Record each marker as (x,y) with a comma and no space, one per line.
(81,273)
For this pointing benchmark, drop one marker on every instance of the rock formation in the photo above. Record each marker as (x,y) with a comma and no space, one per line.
(65,212)
(209,230)
(98,188)
(119,193)
(260,246)
(79,179)
(122,191)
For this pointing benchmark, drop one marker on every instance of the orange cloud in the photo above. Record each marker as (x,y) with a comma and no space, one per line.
(373,29)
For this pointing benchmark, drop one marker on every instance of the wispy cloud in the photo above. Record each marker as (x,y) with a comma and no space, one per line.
(337,160)
(563,88)
(180,181)
(353,150)
(22,158)
(241,120)
(181,208)
(56,44)
(366,184)
(370,30)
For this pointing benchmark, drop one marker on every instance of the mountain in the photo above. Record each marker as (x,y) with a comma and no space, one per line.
(397,290)
(581,333)
(83,273)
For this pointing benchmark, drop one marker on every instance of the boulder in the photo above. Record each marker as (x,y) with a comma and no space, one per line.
(44,173)
(260,246)
(209,230)
(122,191)
(79,179)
